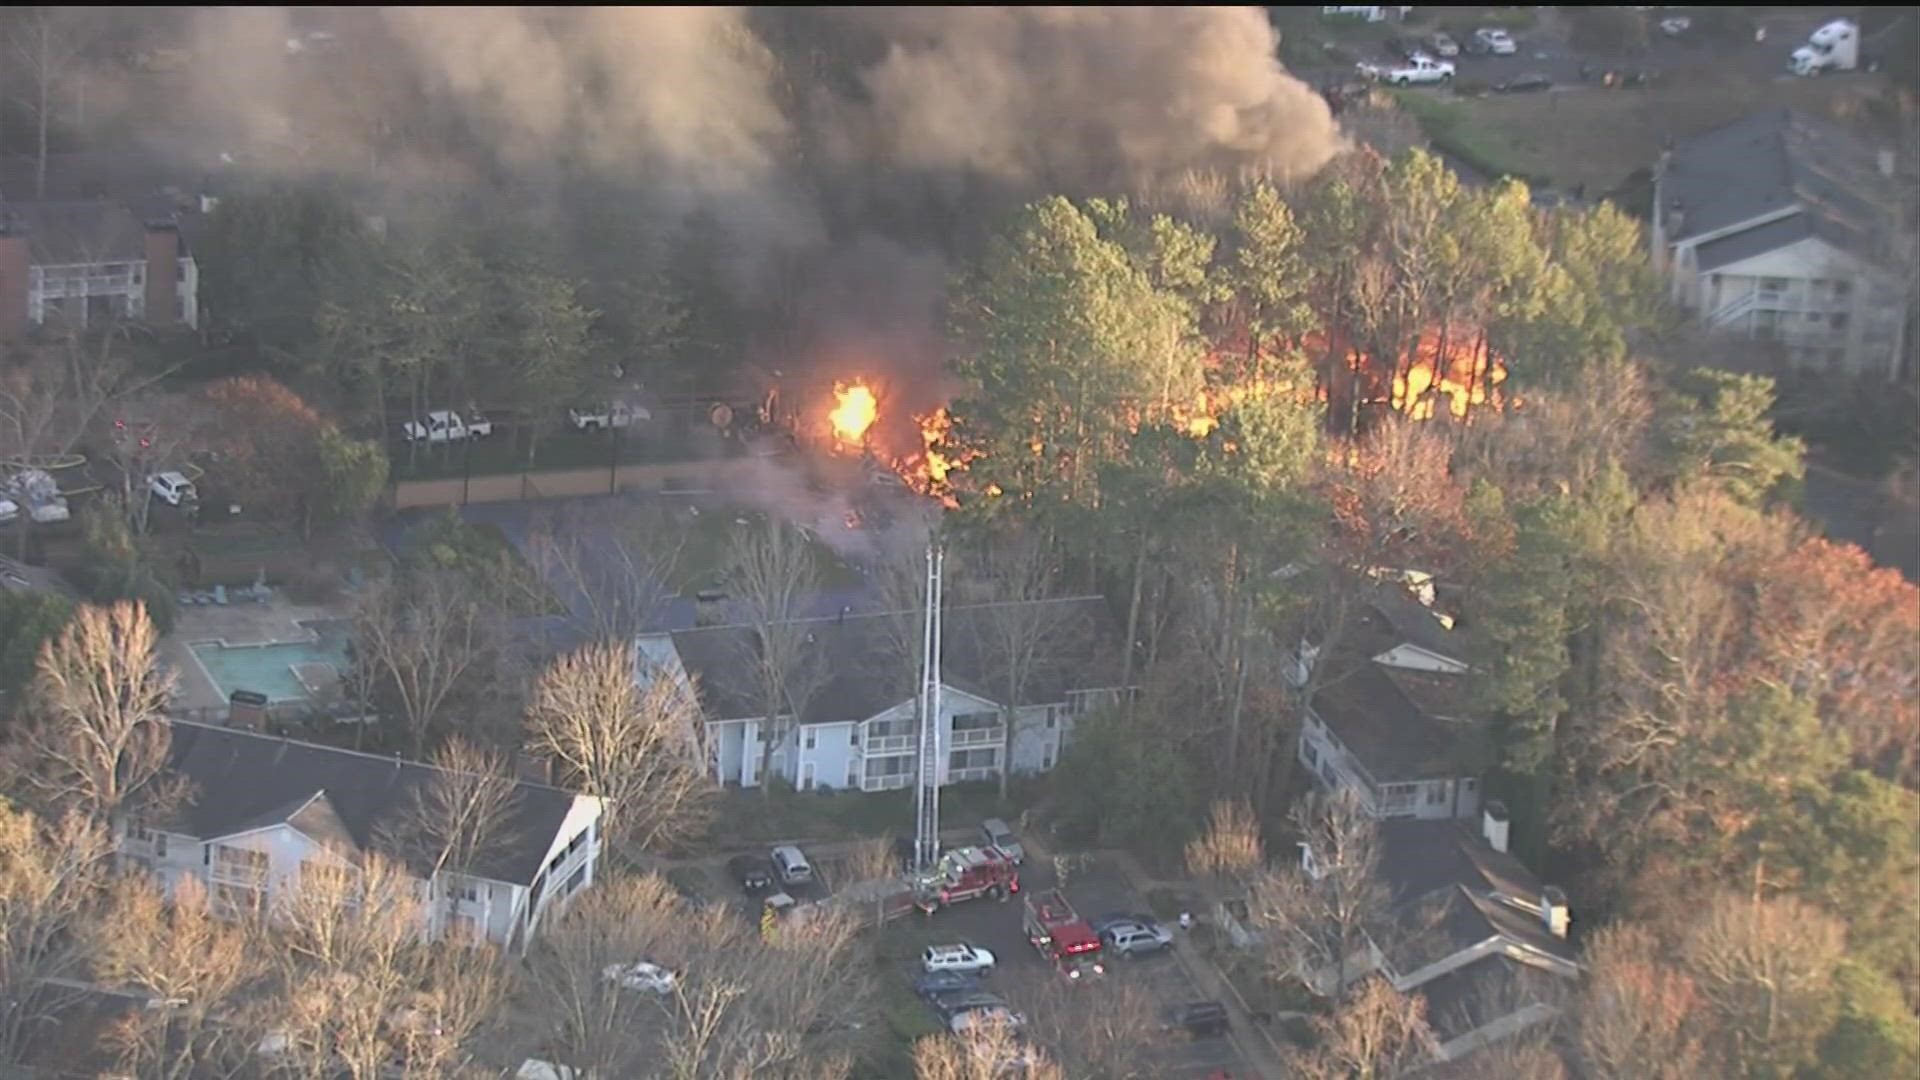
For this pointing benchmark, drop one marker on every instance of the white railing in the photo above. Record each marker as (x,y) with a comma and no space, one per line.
(1726,313)
(888,744)
(961,776)
(979,737)
(886,783)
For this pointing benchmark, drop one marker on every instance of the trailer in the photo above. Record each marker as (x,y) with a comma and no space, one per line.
(965,874)
(1058,933)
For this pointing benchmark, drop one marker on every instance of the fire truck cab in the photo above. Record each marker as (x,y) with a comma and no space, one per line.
(966,873)
(1062,936)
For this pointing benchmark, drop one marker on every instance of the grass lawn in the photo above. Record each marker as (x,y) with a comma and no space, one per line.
(703,558)
(747,818)
(1599,137)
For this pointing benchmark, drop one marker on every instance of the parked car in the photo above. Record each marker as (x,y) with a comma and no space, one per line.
(172,488)
(752,875)
(478,425)
(1198,1018)
(606,415)
(1497,41)
(440,426)
(995,834)
(39,492)
(1675,26)
(791,865)
(1114,918)
(1523,84)
(1136,938)
(1420,69)
(9,510)
(640,975)
(961,957)
(933,983)
(962,1011)
(1443,45)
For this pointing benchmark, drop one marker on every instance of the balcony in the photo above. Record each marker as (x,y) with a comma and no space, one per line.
(990,736)
(961,776)
(893,782)
(880,746)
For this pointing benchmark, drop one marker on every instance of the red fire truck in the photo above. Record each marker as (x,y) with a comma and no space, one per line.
(1062,935)
(964,873)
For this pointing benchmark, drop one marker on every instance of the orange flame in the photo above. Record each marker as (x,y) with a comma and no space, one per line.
(854,412)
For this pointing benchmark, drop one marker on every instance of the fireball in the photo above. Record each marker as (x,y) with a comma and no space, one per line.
(853,413)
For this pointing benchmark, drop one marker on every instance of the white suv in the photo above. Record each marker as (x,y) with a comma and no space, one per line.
(1497,41)
(440,427)
(1133,938)
(172,488)
(968,959)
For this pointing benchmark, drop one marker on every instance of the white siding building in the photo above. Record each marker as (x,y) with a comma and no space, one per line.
(266,812)
(1782,228)
(85,263)
(1389,720)
(858,731)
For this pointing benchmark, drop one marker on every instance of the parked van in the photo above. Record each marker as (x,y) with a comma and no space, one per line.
(791,865)
(995,834)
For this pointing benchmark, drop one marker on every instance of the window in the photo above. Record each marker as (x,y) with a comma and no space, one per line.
(1842,288)
(1436,794)
(240,863)
(1838,320)
(1468,786)
(1309,752)
(853,735)
(465,890)
(236,898)
(1053,716)
(973,759)
(578,879)
(180,271)
(810,738)
(1773,284)
(1046,757)
(464,928)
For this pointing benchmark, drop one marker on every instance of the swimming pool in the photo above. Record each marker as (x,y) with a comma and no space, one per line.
(277,669)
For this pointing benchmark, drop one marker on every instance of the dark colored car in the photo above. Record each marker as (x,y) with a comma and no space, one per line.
(752,874)
(1473,46)
(1199,1018)
(1523,84)
(934,983)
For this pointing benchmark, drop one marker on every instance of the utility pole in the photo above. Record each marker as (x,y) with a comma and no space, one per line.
(926,794)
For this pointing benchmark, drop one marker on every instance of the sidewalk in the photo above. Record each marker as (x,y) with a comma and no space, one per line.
(1255,1043)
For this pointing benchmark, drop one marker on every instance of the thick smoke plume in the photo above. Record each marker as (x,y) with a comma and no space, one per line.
(847,154)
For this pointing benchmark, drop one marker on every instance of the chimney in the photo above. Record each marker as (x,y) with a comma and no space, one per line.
(1494,824)
(163,260)
(1886,161)
(1553,910)
(15,264)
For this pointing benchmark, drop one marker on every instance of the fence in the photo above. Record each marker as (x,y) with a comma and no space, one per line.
(568,483)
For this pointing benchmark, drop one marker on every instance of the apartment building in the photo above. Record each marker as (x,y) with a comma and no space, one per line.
(90,261)
(1389,717)
(265,812)
(857,728)
(1780,227)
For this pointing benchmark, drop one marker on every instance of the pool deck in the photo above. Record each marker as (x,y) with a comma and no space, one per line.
(235,624)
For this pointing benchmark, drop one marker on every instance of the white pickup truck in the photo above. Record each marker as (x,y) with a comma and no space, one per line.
(605,415)
(1420,69)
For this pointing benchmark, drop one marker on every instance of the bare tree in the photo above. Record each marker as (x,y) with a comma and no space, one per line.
(1328,919)
(49,875)
(1765,972)
(192,963)
(635,743)
(146,434)
(1023,633)
(47,43)
(616,565)
(466,808)
(97,743)
(1378,1035)
(1108,1028)
(736,1009)
(349,964)
(1637,1016)
(1229,855)
(424,639)
(773,573)
(873,859)
(986,1051)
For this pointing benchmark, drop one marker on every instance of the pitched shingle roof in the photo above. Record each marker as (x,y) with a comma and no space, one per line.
(68,233)
(1382,724)
(1770,162)
(864,669)
(243,781)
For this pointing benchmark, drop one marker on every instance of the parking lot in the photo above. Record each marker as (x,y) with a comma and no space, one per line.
(1026,979)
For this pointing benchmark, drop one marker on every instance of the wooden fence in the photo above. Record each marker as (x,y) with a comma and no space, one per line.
(682,476)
